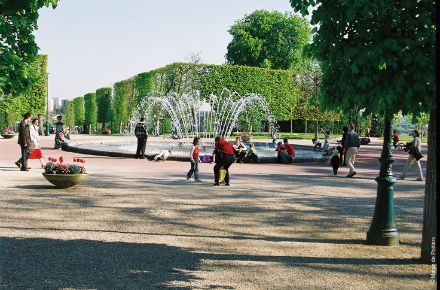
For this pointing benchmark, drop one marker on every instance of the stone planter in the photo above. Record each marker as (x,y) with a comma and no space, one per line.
(8,136)
(64,180)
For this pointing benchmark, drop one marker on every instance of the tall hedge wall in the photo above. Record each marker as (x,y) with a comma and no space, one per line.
(32,100)
(90,109)
(69,115)
(124,102)
(104,105)
(78,111)
(277,86)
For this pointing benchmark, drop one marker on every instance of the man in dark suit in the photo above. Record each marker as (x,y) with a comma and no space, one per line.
(24,139)
(141,134)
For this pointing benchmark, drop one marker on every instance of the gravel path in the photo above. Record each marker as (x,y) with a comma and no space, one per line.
(136,224)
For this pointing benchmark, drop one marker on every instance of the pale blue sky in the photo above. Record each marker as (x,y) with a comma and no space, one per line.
(94,43)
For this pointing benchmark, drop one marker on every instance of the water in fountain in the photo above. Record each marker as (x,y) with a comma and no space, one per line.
(193,115)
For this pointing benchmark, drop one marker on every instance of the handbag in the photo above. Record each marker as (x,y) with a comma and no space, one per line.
(415,152)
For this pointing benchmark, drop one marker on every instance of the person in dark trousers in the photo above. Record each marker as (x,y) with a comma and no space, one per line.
(224,157)
(24,139)
(351,147)
(335,161)
(342,154)
(141,134)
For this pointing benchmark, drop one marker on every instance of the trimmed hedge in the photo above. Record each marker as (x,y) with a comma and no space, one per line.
(78,111)
(32,100)
(90,109)
(104,104)
(69,115)
(123,106)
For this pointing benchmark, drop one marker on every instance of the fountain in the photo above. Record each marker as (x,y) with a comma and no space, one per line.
(193,115)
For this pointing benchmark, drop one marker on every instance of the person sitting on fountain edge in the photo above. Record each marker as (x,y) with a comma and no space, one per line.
(240,150)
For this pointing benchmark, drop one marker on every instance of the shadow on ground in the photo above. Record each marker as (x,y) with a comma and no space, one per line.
(79,264)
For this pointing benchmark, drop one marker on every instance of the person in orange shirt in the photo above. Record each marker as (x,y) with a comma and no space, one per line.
(195,160)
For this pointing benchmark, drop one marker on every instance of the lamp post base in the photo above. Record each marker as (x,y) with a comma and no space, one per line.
(385,237)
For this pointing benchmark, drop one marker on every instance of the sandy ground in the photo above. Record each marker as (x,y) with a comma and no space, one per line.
(137,224)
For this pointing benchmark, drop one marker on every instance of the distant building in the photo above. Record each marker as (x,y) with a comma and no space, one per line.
(59,103)
(50,105)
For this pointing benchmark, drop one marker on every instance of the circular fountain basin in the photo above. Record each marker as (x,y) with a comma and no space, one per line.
(265,150)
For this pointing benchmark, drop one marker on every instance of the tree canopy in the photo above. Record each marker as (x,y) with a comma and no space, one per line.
(268,39)
(90,109)
(18,21)
(377,55)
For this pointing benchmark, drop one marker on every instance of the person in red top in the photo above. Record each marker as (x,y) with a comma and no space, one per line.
(290,150)
(396,139)
(195,160)
(224,157)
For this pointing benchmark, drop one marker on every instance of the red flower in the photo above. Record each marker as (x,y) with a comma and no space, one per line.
(61,159)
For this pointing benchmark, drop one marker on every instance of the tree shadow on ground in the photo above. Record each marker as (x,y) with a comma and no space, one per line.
(50,264)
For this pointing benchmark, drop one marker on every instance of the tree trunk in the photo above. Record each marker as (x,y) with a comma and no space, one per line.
(429,212)
(291,125)
(316,132)
(305,130)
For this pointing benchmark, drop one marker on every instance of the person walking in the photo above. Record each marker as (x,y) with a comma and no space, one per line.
(396,139)
(342,155)
(351,146)
(194,155)
(326,139)
(140,131)
(24,140)
(35,142)
(414,156)
(224,157)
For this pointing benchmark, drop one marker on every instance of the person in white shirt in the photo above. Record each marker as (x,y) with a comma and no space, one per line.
(163,155)
(413,159)
(240,150)
(35,142)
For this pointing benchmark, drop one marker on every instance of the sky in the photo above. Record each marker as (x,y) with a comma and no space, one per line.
(94,43)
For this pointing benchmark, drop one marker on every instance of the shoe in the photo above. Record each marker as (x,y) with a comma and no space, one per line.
(216,184)
(197,180)
(24,169)
(227,184)
(353,174)
(187,178)
(401,178)
(143,157)
(349,175)
(335,174)
(419,179)
(18,164)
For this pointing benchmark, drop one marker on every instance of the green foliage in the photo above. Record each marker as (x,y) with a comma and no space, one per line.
(375,54)
(18,21)
(123,103)
(90,109)
(276,86)
(269,39)
(69,115)
(32,99)
(78,111)
(104,104)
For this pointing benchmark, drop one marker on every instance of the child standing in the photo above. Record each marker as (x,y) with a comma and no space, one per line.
(335,160)
(195,159)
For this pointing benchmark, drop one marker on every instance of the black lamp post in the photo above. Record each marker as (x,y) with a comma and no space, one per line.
(47,133)
(382,230)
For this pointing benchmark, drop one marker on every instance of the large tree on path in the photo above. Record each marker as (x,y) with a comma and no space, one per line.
(18,21)
(380,55)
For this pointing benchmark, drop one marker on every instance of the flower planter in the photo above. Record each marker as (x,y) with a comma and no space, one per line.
(64,180)
(8,136)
